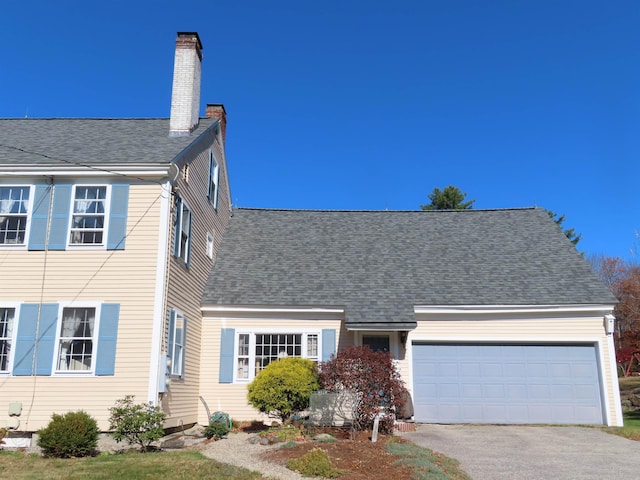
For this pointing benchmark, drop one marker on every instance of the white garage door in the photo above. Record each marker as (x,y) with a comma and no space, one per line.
(484,383)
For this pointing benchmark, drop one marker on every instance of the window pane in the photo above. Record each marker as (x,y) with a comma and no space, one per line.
(312,345)
(87,222)
(177,355)
(377,343)
(75,350)
(243,356)
(14,202)
(270,347)
(6,330)
(184,231)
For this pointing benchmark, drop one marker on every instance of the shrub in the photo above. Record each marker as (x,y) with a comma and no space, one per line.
(284,387)
(374,378)
(3,433)
(314,463)
(74,434)
(216,430)
(139,424)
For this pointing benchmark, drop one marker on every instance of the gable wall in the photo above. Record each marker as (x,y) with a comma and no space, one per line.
(186,285)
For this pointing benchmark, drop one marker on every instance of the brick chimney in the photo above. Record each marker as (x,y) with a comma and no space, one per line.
(216,110)
(185,96)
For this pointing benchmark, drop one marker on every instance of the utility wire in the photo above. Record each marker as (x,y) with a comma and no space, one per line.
(79,164)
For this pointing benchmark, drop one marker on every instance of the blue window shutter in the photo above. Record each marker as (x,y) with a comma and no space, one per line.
(176,230)
(188,255)
(47,340)
(328,343)
(118,216)
(107,339)
(227,338)
(210,192)
(39,217)
(26,339)
(59,234)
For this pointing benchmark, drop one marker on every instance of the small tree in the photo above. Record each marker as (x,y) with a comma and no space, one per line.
(570,233)
(451,198)
(139,424)
(284,387)
(373,376)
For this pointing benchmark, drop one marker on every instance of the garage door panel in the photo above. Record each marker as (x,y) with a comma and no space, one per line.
(517,392)
(471,391)
(484,383)
(448,390)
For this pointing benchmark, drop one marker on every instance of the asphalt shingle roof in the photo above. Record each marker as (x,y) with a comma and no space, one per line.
(91,140)
(378,265)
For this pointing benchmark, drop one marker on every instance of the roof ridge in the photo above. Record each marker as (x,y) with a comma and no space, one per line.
(386,211)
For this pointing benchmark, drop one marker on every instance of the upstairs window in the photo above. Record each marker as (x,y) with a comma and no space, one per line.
(88,215)
(182,240)
(76,340)
(7,316)
(14,213)
(214,175)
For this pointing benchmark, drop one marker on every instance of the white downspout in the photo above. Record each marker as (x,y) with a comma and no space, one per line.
(159,297)
(609,321)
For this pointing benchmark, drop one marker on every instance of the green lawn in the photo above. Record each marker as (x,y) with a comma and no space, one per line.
(131,466)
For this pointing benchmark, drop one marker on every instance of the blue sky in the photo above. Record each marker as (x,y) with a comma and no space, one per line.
(369,105)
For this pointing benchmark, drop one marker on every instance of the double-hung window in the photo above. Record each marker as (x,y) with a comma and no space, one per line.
(14,214)
(214,177)
(7,319)
(255,350)
(182,240)
(176,342)
(88,218)
(76,340)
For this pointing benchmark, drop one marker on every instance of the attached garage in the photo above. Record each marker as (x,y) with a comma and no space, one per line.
(507,383)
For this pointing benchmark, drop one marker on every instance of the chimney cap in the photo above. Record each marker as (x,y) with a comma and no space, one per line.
(191,34)
(219,106)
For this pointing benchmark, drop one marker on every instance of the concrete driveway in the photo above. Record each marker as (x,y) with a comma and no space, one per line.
(488,452)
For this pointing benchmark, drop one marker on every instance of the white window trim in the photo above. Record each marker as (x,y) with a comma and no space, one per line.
(94,339)
(14,334)
(22,246)
(252,347)
(170,355)
(105,229)
(184,204)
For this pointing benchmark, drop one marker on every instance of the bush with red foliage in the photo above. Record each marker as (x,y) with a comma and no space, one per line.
(373,377)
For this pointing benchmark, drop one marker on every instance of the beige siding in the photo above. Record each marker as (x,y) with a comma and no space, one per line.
(232,397)
(126,277)
(573,329)
(186,284)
